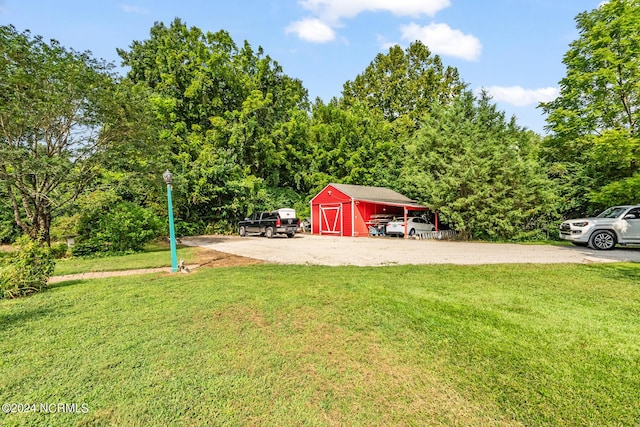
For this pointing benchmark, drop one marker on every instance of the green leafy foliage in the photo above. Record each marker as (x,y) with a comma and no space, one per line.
(239,135)
(234,121)
(594,122)
(480,171)
(127,227)
(60,250)
(111,225)
(404,83)
(27,269)
(9,230)
(353,145)
(63,116)
(622,192)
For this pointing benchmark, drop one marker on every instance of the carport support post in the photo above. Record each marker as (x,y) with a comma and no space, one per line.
(406,225)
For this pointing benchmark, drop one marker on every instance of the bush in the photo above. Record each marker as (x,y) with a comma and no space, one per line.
(64,226)
(125,227)
(9,231)
(219,227)
(88,248)
(27,270)
(184,228)
(128,227)
(59,250)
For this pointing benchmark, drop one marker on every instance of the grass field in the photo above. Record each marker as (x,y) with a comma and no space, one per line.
(310,346)
(155,255)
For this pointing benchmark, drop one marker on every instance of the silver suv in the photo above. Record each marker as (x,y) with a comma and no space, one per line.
(618,224)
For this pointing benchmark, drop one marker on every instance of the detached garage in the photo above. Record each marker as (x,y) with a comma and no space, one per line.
(349,210)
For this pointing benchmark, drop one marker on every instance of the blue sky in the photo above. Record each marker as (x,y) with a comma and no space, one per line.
(512,48)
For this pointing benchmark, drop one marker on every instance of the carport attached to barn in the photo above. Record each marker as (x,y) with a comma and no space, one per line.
(349,210)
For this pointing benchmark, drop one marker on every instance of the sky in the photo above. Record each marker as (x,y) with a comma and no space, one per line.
(511,48)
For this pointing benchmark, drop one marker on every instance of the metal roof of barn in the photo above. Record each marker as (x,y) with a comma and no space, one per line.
(376,194)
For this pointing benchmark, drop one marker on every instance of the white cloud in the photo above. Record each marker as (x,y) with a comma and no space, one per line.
(384,44)
(328,13)
(521,97)
(312,30)
(128,8)
(333,10)
(442,39)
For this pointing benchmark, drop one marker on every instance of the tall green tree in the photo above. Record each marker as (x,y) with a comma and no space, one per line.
(594,146)
(354,145)
(403,83)
(63,116)
(235,122)
(358,137)
(480,171)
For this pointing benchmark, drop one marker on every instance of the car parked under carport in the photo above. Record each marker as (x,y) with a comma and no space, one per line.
(413,226)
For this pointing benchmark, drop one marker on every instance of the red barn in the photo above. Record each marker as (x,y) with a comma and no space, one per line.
(349,210)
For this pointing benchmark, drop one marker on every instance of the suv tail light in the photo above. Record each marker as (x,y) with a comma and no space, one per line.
(278,222)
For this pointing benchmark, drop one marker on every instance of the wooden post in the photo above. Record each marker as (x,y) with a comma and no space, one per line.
(406,225)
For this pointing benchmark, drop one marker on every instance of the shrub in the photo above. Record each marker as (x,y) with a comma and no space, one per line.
(184,228)
(9,231)
(27,269)
(128,227)
(89,247)
(64,226)
(125,227)
(59,250)
(219,227)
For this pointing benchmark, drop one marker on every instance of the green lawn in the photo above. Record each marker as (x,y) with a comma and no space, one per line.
(307,345)
(154,256)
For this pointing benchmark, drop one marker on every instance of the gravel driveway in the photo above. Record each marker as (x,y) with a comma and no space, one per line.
(367,251)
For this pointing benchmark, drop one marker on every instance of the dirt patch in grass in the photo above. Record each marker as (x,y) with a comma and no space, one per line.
(209,258)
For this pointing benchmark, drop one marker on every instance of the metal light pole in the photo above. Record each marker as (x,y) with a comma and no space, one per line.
(168,177)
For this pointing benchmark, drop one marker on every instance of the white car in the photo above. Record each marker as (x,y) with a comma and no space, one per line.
(619,224)
(415,225)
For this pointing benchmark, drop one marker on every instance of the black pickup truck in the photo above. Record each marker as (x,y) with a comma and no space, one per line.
(282,221)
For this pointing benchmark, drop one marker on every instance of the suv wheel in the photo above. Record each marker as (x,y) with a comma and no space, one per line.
(242,231)
(602,240)
(269,232)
